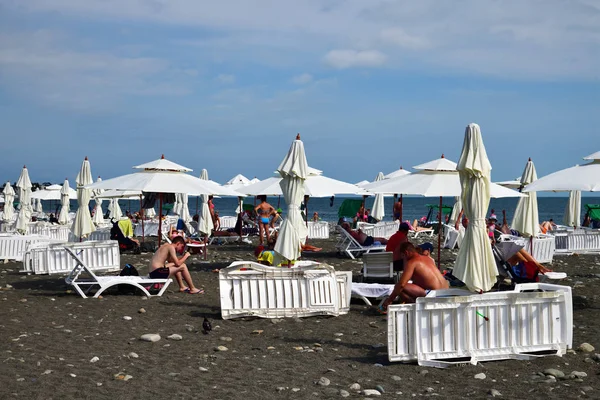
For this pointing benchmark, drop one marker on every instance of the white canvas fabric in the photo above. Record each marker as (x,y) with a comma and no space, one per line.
(585,178)
(396,174)
(177,205)
(205,222)
(314,186)
(455,210)
(378,211)
(239,179)
(98,217)
(475,264)
(526,220)
(293,231)
(433,180)
(37,206)
(25,209)
(63,216)
(9,198)
(573,210)
(114,209)
(83,224)
(150,212)
(184,209)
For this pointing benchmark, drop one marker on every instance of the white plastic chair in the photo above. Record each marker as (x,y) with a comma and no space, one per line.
(378,266)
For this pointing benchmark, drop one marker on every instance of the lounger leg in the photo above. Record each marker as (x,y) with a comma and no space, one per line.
(164,287)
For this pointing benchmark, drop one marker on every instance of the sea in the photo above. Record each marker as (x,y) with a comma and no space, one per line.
(413,207)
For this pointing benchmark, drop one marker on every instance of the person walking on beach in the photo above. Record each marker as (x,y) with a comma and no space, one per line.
(422,271)
(166,264)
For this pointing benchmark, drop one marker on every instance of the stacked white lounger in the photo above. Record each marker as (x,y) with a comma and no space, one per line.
(533,320)
(307,289)
(579,240)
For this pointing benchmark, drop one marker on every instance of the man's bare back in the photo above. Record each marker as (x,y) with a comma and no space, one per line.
(425,273)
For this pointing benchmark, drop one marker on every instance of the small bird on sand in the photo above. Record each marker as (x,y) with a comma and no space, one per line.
(206,325)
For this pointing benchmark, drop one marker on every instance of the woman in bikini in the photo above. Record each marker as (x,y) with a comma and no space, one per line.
(263,211)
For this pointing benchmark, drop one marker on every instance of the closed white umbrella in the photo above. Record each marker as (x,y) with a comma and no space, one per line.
(177,204)
(455,210)
(150,212)
(9,199)
(293,231)
(114,209)
(573,211)
(475,264)
(185,211)
(98,217)
(205,222)
(83,224)
(25,211)
(378,211)
(63,217)
(38,208)
(526,220)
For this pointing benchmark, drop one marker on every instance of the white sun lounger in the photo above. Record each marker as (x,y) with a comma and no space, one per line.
(84,286)
(308,288)
(349,246)
(378,291)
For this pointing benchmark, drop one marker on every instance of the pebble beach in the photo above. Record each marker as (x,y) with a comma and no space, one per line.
(57,345)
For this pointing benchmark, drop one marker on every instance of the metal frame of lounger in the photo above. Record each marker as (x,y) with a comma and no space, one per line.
(349,245)
(105,282)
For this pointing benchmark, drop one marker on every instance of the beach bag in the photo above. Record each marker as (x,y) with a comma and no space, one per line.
(129,270)
(148,247)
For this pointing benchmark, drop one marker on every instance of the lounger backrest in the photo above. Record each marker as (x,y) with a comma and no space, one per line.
(349,237)
(79,268)
(378,265)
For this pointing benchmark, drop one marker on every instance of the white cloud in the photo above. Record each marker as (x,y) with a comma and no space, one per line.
(352,58)
(400,38)
(302,79)
(550,39)
(226,79)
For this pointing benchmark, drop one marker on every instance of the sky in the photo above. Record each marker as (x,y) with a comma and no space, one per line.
(370,85)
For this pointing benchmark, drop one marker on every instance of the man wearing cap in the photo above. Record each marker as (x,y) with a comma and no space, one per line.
(425,249)
(394,243)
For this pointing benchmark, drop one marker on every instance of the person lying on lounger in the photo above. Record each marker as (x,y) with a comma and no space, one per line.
(423,273)
(362,238)
(166,264)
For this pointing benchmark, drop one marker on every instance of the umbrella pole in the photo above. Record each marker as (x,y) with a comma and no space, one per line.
(306,209)
(278,201)
(439,236)
(142,216)
(160,199)
(401,208)
(393,207)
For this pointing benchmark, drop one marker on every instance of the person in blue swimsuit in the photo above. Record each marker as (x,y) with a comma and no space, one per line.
(264,213)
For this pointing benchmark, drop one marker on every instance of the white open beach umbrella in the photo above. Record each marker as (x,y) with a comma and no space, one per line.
(25,211)
(114,210)
(362,183)
(475,264)
(9,199)
(83,224)
(514,184)
(98,217)
(293,231)
(163,176)
(65,206)
(573,210)
(205,222)
(585,178)
(378,211)
(239,179)
(526,220)
(396,174)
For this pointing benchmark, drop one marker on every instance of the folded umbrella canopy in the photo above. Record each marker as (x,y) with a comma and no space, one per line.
(573,210)
(205,222)
(475,264)
(526,220)
(65,206)
(293,232)
(378,211)
(9,199)
(98,217)
(25,210)
(83,224)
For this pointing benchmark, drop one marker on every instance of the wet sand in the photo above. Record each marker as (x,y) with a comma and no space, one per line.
(50,335)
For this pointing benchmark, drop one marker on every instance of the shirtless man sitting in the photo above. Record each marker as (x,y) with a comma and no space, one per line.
(422,271)
(166,264)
